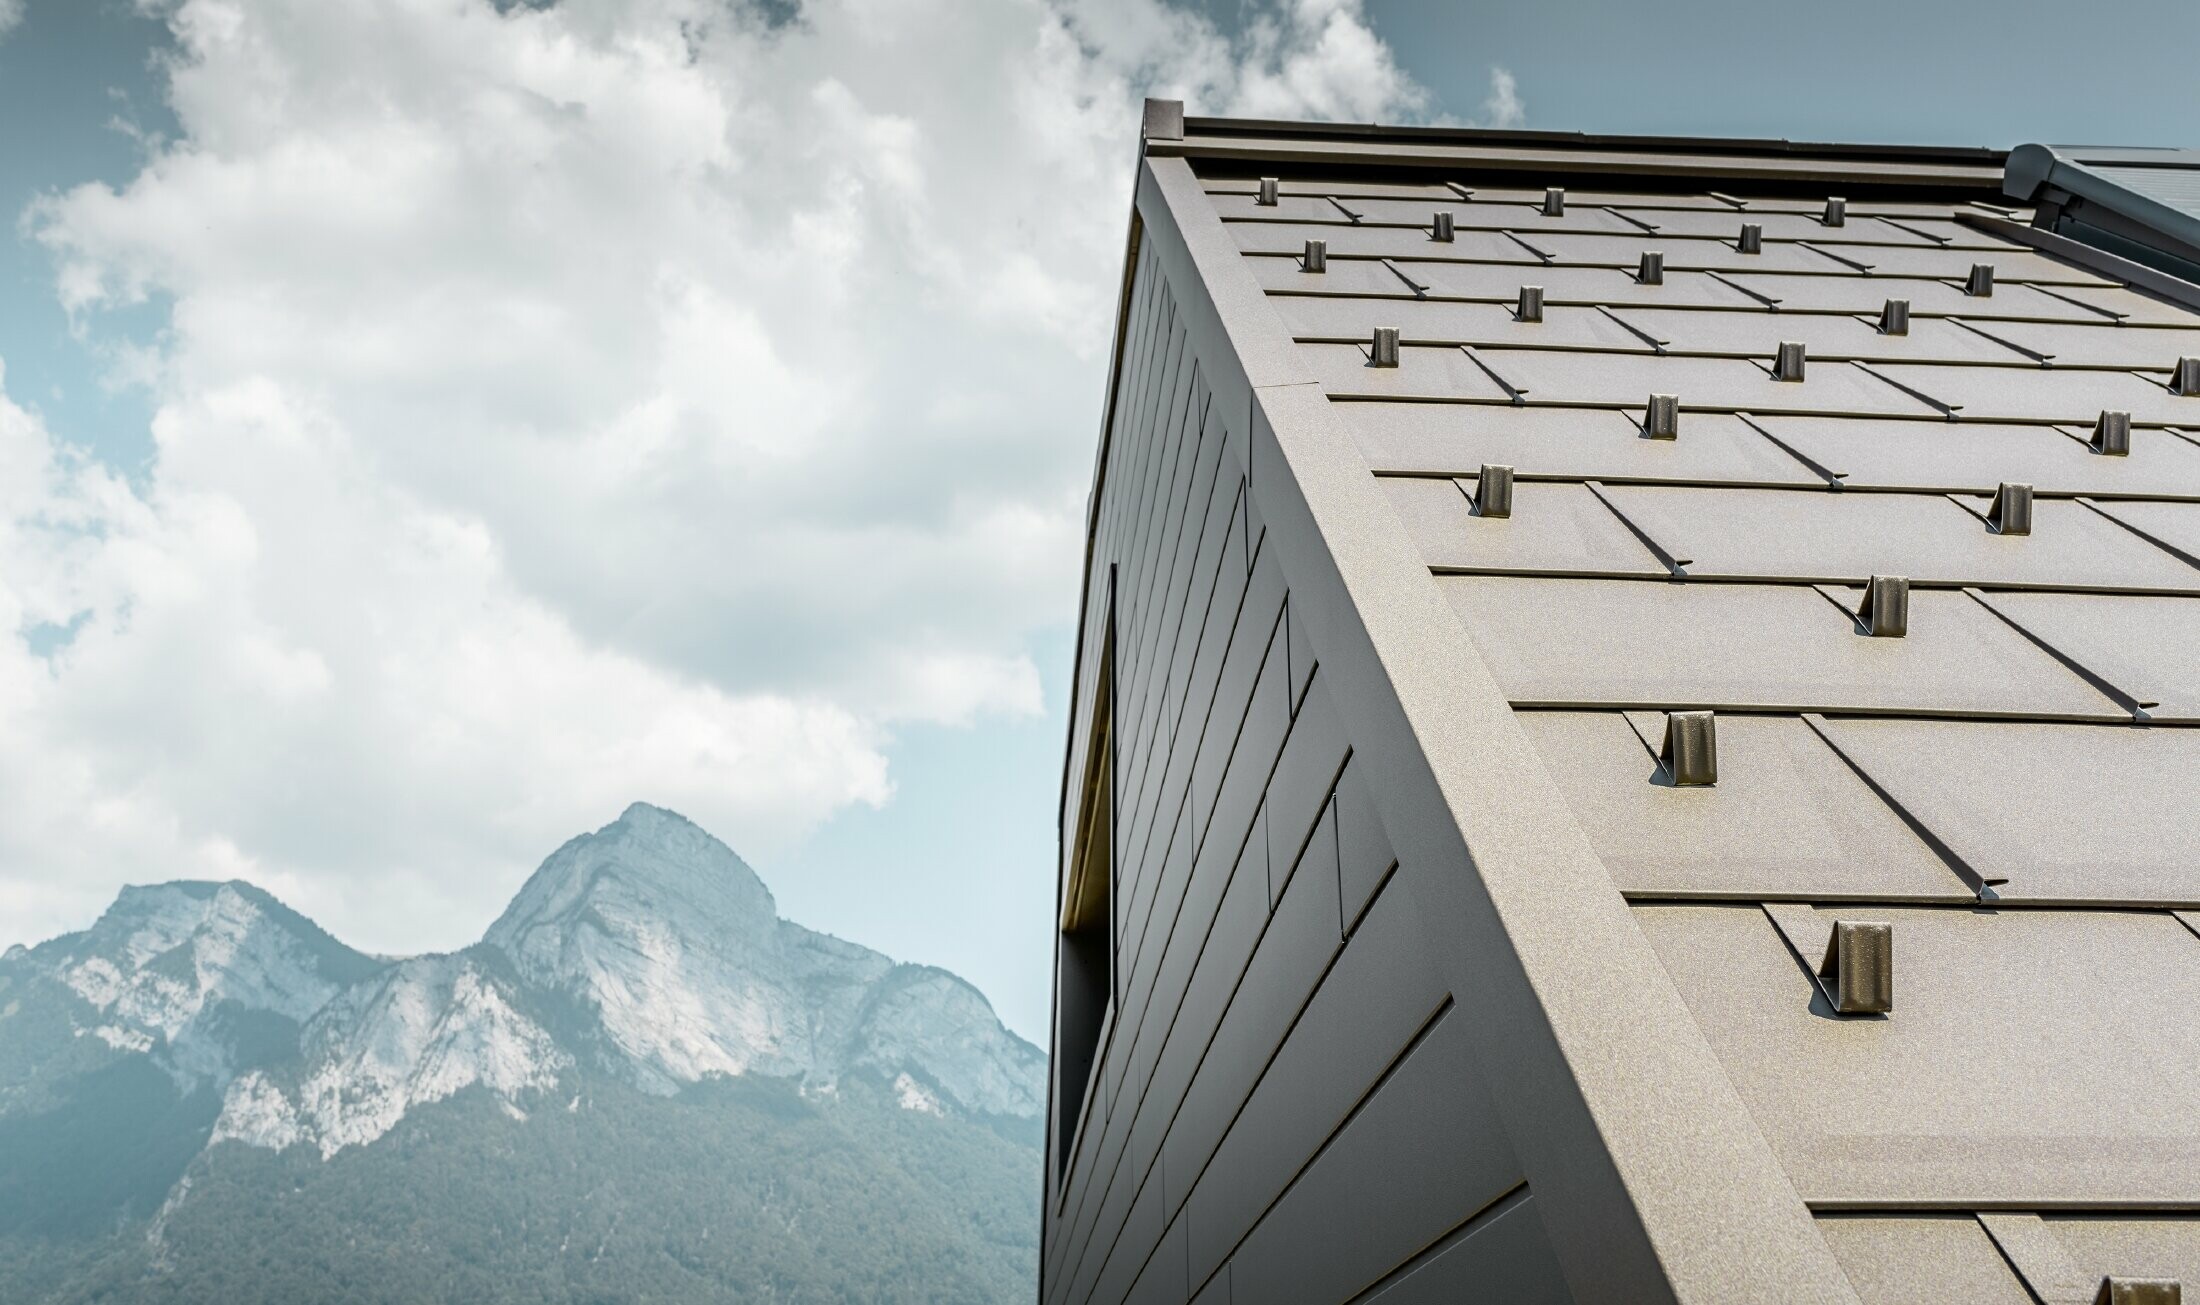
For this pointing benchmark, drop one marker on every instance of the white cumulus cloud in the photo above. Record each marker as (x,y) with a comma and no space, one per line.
(567,403)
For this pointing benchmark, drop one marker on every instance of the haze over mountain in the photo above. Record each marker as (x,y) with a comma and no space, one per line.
(641,1084)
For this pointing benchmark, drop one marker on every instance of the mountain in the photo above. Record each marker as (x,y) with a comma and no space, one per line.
(641,1084)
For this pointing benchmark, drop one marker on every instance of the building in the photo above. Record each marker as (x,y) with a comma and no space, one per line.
(1633,730)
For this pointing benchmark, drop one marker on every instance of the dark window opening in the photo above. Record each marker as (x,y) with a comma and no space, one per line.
(1084,957)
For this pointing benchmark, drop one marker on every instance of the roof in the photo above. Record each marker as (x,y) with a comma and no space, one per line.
(2141,203)
(1920,528)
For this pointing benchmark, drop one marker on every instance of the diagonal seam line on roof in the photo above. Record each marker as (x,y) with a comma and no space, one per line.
(1512,391)
(2043,359)
(1833,478)
(1947,409)
(1657,550)
(2087,500)
(2129,702)
(1979,882)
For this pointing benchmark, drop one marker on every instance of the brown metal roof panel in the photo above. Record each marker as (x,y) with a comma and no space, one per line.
(1421,370)
(1817,535)
(2078,814)
(2141,348)
(2053,393)
(1576,285)
(1632,643)
(1922,1259)
(1466,215)
(2147,647)
(1777,226)
(1419,321)
(1575,442)
(1625,251)
(2174,524)
(1553,527)
(1287,208)
(1826,337)
(2031,1057)
(1927,297)
(1956,235)
(1576,195)
(1342,187)
(1343,276)
(2128,1245)
(1387,242)
(2011,266)
(1450,322)
(1495,283)
(1526,219)
(1732,384)
(1787,818)
(1978,456)
(2133,308)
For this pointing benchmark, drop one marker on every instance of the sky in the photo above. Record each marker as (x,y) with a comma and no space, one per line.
(427,426)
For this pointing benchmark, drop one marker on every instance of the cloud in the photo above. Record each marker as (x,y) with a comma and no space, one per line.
(563,404)
(11,14)
(1503,108)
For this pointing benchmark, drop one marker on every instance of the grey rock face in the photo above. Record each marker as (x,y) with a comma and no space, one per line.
(646,949)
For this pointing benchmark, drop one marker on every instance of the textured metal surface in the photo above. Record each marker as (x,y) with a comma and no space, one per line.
(1808,535)
(1571,443)
(2065,813)
(1788,818)
(2007,1076)
(1926,1259)
(1623,643)
(1546,525)
(2147,647)
(1975,457)
(1991,759)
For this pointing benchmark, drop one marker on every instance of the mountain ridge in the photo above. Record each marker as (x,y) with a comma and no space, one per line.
(666,943)
(146,1060)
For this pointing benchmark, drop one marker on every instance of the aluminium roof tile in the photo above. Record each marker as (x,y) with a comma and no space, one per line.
(1581,443)
(1681,253)
(2140,348)
(1451,322)
(1726,384)
(1777,226)
(2050,393)
(1343,276)
(1915,1259)
(2011,266)
(1787,819)
(1481,213)
(2097,1244)
(1634,643)
(1421,370)
(2067,813)
(1287,184)
(1827,337)
(2176,525)
(1387,242)
(2130,306)
(1977,456)
(2008,1073)
(2147,647)
(1928,297)
(1553,527)
(1818,534)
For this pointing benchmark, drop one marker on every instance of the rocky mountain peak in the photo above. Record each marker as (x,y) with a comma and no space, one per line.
(649,861)
(646,950)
